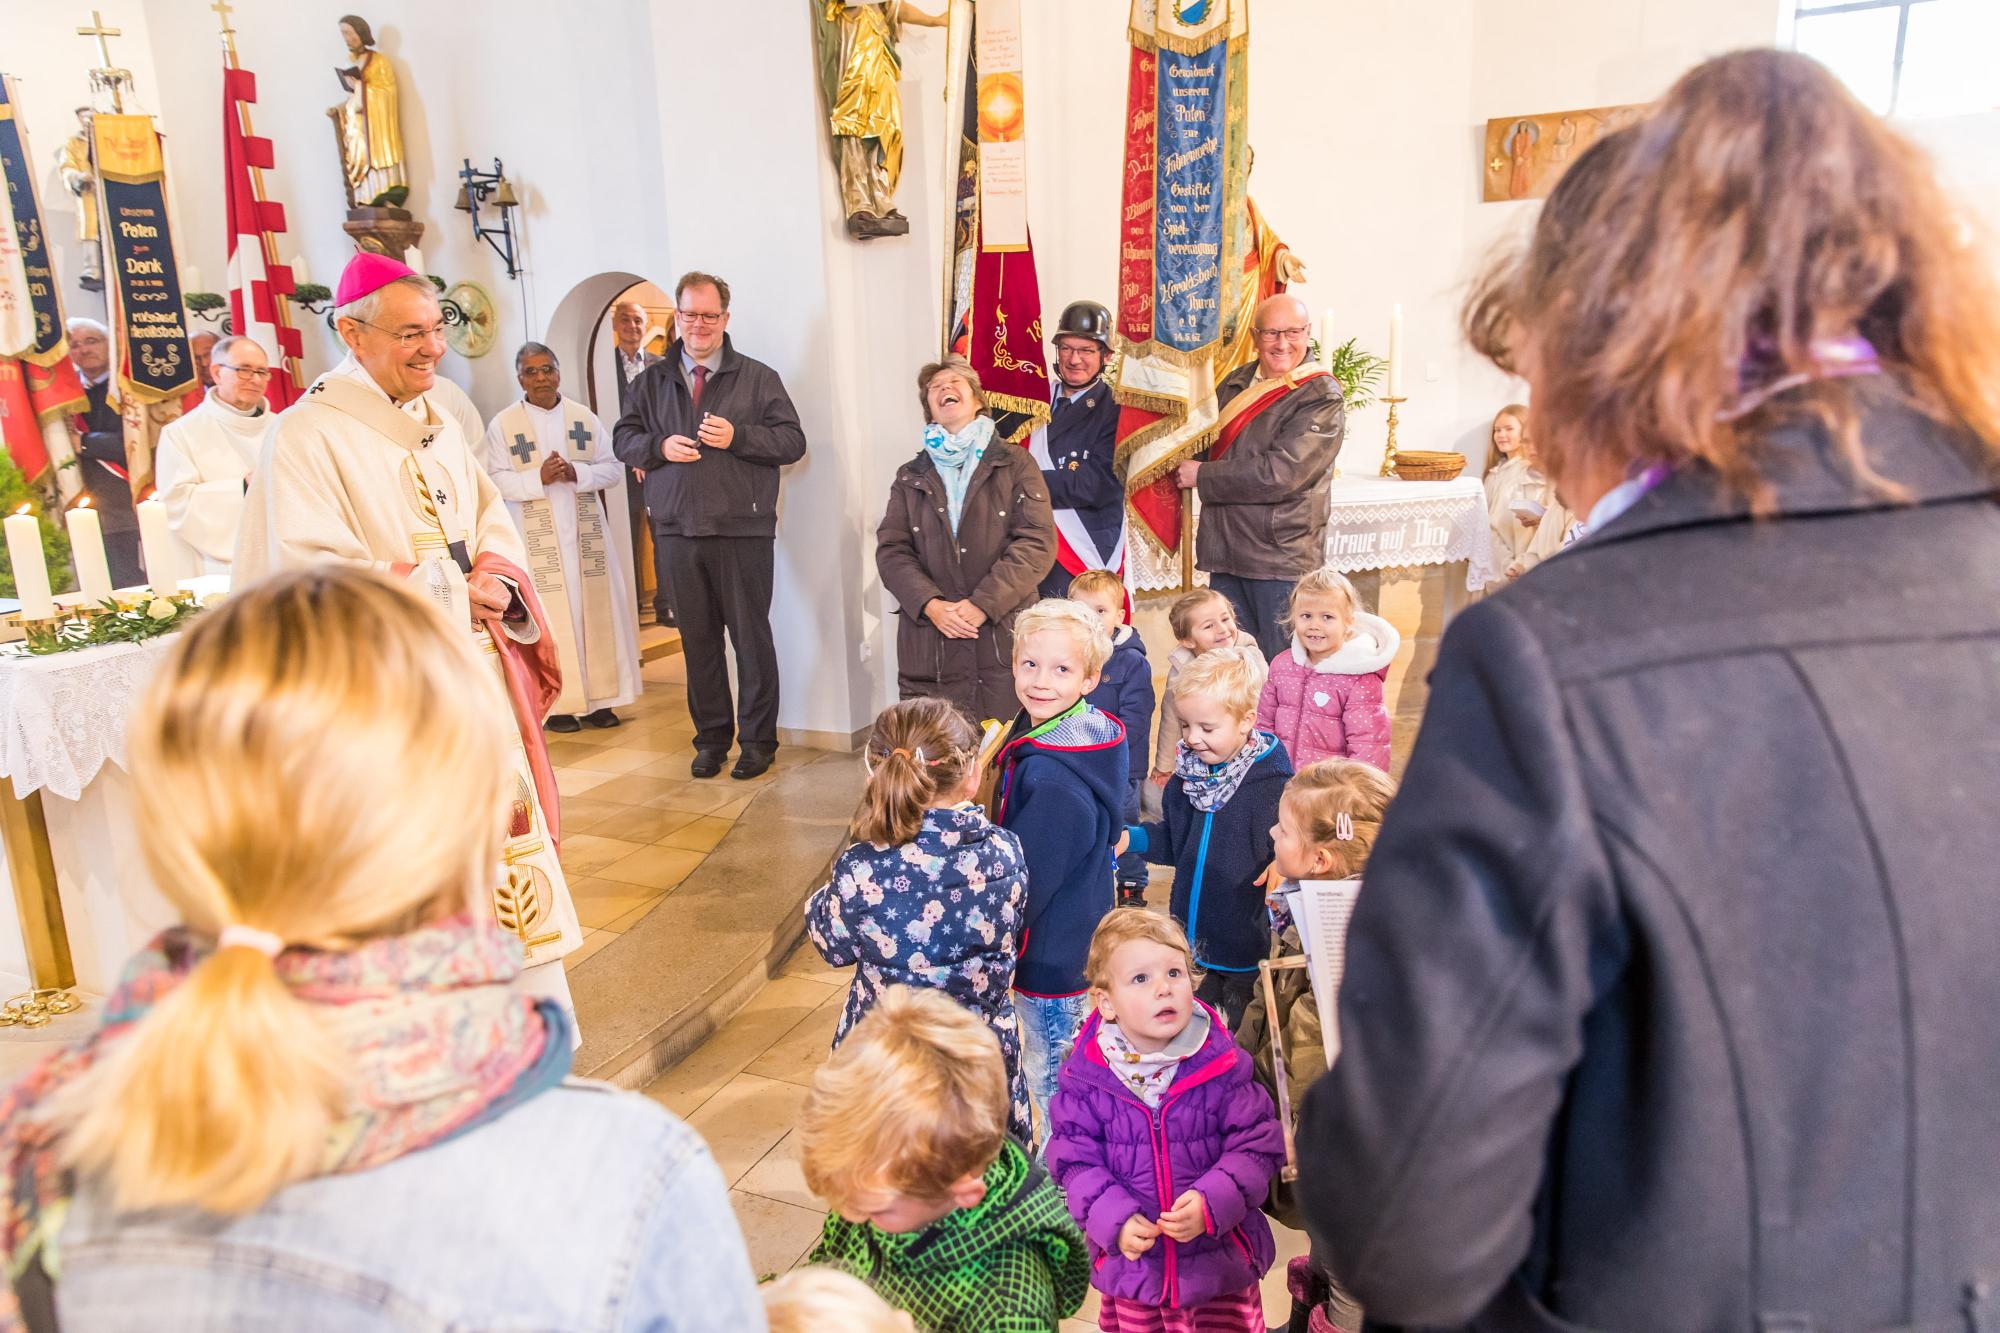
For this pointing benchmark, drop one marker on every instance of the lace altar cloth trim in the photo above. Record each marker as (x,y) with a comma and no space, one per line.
(1377,523)
(63,716)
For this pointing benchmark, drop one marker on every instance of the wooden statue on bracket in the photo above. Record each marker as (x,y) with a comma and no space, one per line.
(368,131)
(858,74)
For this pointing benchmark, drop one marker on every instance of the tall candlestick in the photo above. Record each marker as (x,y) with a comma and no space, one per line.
(31,571)
(86,552)
(163,557)
(1395,351)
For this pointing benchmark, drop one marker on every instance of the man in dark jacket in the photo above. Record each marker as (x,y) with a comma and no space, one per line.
(630,359)
(1076,451)
(1670,1002)
(100,448)
(711,428)
(1263,489)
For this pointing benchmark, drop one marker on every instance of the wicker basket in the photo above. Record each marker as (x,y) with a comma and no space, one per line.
(1426,465)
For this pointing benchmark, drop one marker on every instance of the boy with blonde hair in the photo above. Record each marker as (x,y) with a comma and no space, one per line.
(1059,786)
(905,1134)
(1219,808)
(1125,691)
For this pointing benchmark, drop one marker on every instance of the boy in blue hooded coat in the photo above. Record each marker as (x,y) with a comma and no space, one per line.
(1059,786)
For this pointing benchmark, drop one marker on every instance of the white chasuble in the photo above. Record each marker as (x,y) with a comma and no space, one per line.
(579,541)
(202,467)
(347,476)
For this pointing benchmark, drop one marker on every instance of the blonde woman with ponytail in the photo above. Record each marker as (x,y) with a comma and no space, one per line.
(324,1101)
(931,893)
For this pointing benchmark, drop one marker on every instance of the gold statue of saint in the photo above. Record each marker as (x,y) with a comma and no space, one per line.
(858,73)
(79,177)
(371,138)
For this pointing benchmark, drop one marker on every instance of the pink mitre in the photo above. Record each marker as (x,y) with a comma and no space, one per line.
(368,272)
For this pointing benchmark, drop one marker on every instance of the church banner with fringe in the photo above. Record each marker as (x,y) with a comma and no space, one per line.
(39,387)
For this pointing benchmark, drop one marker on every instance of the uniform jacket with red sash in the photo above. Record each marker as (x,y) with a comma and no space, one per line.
(1264,487)
(1075,452)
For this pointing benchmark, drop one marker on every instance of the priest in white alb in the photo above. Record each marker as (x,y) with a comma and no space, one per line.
(365,469)
(205,458)
(551,458)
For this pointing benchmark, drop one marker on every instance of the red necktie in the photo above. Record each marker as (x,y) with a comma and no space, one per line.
(700,378)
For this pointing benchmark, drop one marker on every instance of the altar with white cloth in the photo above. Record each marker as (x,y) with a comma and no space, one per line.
(62,735)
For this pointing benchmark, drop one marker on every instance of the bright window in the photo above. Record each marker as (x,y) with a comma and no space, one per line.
(1907,57)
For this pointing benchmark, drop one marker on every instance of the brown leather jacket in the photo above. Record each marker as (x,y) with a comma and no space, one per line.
(1006,543)
(1264,504)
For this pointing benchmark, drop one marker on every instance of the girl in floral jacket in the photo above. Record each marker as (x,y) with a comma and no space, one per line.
(930,893)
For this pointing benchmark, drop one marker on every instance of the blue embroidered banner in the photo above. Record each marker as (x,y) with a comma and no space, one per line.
(142,279)
(1189,198)
(43,293)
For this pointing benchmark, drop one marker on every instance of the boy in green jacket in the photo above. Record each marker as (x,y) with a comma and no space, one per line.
(934,1207)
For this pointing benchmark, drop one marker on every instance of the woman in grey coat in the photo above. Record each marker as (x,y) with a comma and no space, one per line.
(965,543)
(1671,1002)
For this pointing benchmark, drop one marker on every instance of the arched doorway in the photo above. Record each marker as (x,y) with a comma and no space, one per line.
(581,333)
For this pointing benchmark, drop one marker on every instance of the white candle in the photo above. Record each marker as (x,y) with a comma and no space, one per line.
(1395,351)
(414,258)
(190,278)
(1326,337)
(86,552)
(299,270)
(31,571)
(163,564)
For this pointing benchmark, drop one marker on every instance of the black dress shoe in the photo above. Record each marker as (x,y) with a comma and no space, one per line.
(562,722)
(603,718)
(707,763)
(750,766)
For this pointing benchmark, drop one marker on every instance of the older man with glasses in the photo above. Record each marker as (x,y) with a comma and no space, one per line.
(205,458)
(1264,486)
(710,428)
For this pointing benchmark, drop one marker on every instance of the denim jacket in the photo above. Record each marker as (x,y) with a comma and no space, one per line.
(581,1209)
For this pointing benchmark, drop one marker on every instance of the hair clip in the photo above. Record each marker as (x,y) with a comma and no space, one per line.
(1343,826)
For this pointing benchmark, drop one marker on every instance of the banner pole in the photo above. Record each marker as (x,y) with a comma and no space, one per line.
(948,201)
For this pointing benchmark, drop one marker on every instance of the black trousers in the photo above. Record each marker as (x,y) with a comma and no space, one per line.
(718,585)
(1260,604)
(1230,992)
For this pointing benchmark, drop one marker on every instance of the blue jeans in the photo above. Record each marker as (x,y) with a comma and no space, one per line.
(1260,604)
(1132,866)
(1048,1030)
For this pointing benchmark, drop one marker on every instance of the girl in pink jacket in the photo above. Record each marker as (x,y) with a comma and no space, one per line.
(1323,698)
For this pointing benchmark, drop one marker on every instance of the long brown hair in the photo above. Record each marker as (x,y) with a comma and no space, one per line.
(1320,794)
(918,751)
(1699,254)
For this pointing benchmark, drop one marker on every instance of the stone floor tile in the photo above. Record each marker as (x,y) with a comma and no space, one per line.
(780,1006)
(700,836)
(632,789)
(631,918)
(638,823)
(563,750)
(670,764)
(806,962)
(778,1234)
(585,854)
(593,940)
(698,797)
(577,781)
(613,759)
(581,814)
(779,1176)
(599,902)
(653,867)
(804,1049)
(745,1119)
(734,808)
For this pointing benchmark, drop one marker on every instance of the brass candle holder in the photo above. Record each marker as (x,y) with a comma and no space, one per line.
(1389,450)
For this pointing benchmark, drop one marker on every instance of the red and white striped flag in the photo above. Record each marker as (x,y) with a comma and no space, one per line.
(257,281)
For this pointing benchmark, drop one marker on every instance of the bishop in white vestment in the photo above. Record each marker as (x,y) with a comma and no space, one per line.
(365,469)
(204,459)
(550,457)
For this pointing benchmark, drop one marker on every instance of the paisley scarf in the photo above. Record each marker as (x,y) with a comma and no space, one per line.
(1210,788)
(439,1039)
(957,456)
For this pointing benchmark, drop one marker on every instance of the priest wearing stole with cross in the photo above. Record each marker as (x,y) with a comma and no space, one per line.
(551,460)
(366,470)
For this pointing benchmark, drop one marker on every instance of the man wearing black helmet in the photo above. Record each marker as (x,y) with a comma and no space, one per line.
(1075,451)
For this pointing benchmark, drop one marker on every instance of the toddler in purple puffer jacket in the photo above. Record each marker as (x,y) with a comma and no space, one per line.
(1163,1142)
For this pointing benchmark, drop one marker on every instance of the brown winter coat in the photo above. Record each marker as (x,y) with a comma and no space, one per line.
(1006,543)
(1264,504)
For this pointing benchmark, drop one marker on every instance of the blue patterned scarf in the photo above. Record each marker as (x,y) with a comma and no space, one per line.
(957,457)
(1210,788)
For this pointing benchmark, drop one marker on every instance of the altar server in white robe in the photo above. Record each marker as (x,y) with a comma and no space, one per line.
(365,469)
(551,459)
(205,458)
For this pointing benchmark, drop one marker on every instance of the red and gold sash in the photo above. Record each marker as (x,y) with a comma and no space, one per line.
(1245,407)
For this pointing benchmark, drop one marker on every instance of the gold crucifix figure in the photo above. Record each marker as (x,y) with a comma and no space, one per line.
(222,10)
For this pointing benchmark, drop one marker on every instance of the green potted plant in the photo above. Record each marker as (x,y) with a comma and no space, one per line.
(1358,372)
